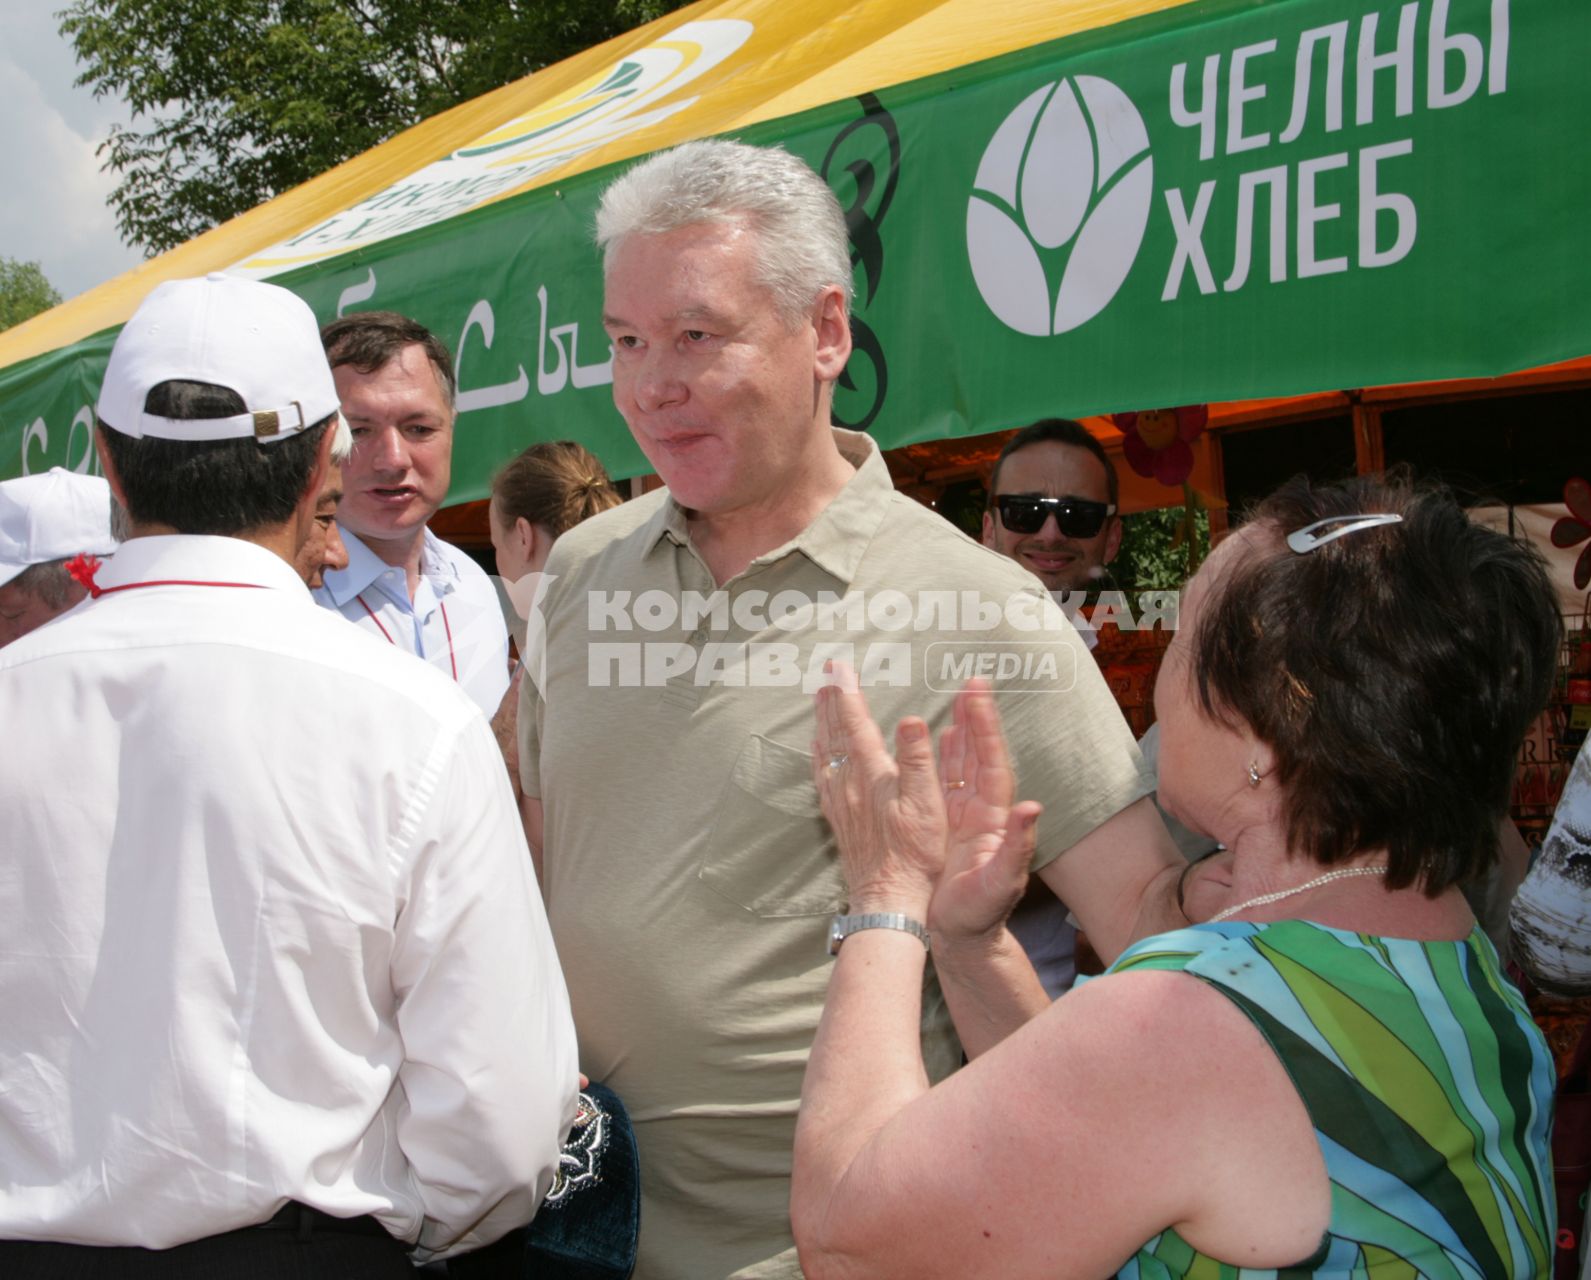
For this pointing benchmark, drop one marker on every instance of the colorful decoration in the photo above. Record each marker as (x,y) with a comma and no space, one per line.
(1576,527)
(1157,442)
(82,568)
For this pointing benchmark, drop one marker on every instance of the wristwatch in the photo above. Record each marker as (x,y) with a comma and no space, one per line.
(843,926)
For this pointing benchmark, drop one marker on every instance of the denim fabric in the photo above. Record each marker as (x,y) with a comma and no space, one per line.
(591,1233)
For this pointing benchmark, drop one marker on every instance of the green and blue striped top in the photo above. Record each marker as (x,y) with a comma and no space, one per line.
(1428,1084)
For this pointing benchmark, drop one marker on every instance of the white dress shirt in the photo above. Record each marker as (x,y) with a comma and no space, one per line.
(268,925)
(455,621)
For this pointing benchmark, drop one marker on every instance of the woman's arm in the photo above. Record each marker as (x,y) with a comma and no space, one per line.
(888,819)
(1141,1101)
(988,981)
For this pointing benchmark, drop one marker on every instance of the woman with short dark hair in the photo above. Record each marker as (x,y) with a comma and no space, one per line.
(1328,1078)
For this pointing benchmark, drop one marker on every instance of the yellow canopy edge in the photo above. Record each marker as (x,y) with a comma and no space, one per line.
(742,62)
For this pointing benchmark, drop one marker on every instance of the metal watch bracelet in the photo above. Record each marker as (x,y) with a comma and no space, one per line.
(843,926)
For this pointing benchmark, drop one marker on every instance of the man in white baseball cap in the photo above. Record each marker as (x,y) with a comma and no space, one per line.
(45,521)
(279,995)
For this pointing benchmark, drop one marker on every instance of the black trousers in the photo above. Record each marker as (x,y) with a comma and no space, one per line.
(255,1253)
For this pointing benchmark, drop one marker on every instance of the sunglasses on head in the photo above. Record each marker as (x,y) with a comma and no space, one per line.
(1075,517)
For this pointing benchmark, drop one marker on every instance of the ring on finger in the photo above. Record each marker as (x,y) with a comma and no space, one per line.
(956,785)
(836,762)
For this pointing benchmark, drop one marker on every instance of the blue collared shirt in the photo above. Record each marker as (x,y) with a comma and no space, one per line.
(455,621)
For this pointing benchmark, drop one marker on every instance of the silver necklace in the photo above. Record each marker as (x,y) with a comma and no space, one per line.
(1264,898)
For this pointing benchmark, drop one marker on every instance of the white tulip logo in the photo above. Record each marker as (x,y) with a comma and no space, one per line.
(1070,166)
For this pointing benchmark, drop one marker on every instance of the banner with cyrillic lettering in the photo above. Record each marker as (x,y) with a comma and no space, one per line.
(1218,201)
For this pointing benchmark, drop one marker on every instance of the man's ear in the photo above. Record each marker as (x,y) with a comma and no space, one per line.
(988,529)
(832,325)
(323,462)
(319,474)
(1112,539)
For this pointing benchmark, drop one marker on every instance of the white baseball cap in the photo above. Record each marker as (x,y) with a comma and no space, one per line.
(254,338)
(53,516)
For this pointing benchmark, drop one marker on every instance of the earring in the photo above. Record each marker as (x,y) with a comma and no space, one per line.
(1253,773)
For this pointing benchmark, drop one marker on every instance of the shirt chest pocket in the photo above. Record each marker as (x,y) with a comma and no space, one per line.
(770,850)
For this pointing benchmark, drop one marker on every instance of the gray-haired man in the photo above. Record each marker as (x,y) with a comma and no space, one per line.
(665,749)
(45,521)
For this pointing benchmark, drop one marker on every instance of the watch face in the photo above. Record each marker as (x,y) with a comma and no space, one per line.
(836,934)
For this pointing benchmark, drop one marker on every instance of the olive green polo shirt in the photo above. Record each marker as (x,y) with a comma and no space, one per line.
(689,874)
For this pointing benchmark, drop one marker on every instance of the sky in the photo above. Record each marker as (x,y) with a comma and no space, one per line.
(55,210)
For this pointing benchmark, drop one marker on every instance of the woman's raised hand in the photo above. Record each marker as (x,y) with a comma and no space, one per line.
(990,840)
(887,812)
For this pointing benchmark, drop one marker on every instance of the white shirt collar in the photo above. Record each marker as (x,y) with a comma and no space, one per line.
(365,566)
(198,558)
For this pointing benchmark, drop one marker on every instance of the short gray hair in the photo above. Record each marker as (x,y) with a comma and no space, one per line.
(47,581)
(800,227)
(342,440)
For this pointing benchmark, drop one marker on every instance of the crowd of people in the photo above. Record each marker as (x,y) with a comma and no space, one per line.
(300,980)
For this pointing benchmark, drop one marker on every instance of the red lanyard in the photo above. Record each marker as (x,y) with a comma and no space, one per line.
(447,626)
(83,568)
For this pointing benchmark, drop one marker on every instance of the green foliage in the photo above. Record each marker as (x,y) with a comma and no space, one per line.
(236,101)
(24,292)
(1154,551)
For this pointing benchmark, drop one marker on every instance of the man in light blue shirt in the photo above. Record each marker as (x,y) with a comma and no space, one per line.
(403,583)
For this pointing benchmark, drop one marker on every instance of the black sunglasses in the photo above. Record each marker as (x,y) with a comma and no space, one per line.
(1075,517)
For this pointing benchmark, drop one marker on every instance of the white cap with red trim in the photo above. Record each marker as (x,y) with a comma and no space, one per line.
(53,516)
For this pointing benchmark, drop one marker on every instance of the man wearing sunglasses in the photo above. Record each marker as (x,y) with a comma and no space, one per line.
(1052,508)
